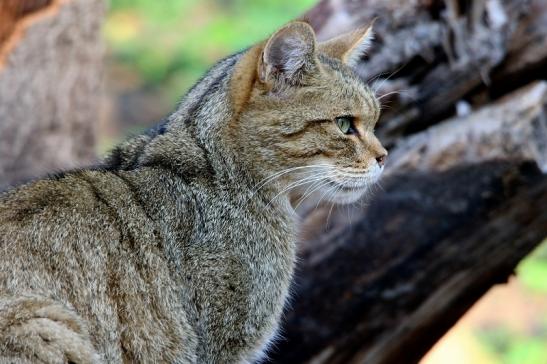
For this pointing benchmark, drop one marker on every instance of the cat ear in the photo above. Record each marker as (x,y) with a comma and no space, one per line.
(349,47)
(288,54)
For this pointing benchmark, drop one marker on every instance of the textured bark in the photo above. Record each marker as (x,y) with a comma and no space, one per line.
(429,55)
(514,127)
(457,212)
(412,263)
(50,71)
(464,192)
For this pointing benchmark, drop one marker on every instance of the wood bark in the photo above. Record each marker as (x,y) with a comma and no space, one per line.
(50,76)
(430,55)
(464,191)
(462,203)
(412,263)
(514,127)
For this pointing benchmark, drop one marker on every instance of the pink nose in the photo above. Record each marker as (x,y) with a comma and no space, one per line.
(381,159)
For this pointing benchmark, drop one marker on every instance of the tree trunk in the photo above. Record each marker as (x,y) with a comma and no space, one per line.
(386,280)
(50,76)
(432,54)
(419,256)
(464,191)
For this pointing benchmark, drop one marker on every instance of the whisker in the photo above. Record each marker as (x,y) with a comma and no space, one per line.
(332,204)
(285,171)
(347,212)
(321,183)
(391,93)
(374,78)
(295,184)
(280,173)
(352,175)
(380,186)
(391,75)
(385,107)
(323,196)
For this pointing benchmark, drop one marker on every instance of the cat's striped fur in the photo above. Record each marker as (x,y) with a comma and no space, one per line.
(180,246)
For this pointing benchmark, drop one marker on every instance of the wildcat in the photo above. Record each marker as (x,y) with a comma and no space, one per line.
(180,246)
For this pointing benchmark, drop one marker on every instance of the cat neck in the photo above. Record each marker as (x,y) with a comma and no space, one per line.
(195,142)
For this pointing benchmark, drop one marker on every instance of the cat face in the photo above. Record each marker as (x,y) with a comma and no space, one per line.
(308,120)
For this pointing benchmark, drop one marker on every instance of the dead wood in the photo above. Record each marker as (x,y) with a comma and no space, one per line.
(465,185)
(414,260)
(50,76)
(430,55)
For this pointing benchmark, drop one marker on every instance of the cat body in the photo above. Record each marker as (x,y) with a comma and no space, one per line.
(180,247)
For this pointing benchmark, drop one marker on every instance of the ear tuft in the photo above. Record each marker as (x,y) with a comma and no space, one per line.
(349,47)
(288,53)
(360,48)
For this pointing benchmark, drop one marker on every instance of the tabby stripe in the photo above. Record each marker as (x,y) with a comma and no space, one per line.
(212,87)
(307,124)
(306,154)
(369,103)
(313,153)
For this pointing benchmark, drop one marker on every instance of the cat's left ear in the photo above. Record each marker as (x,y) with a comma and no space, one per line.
(349,47)
(288,54)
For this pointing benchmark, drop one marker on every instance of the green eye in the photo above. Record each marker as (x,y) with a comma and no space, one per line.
(345,123)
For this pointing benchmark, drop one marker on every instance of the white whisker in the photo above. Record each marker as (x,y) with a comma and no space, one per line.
(332,204)
(390,93)
(295,184)
(315,186)
(386,79)
(283,172)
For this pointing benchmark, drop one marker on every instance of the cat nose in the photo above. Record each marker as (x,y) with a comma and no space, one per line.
(381,159)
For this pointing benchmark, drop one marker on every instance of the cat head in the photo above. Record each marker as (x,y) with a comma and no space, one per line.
(304,119)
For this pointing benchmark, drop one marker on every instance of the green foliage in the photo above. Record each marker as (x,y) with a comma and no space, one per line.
(523,346)
(510,347)
(173,42)
(533,270)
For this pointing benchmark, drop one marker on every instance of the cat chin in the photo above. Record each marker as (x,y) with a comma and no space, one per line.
(348,197)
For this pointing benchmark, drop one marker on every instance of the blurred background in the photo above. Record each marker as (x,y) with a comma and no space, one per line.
(156,50)
(508,325)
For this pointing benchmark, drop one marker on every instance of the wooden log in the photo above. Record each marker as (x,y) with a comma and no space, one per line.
(514,127)
(50,76)
(457,212)
(416,259)
(527,53)
(429,55)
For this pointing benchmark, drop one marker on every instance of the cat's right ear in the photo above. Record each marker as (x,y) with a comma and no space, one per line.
(288,55)
(349,47)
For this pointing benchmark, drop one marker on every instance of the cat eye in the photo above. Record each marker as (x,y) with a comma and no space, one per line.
(345,124)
